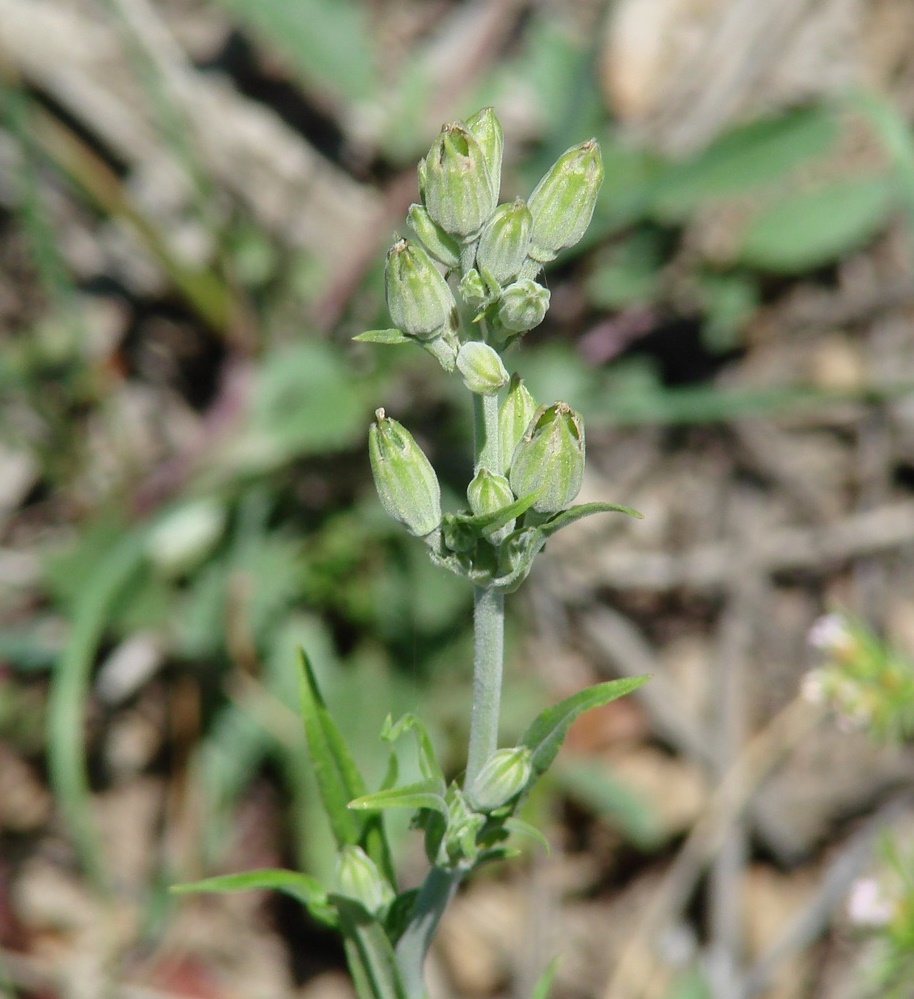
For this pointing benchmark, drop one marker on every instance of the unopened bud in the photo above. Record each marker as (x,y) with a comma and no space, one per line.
(486,129)
(504,241)
(504,775)
(482,369)
(514,417)
(563,201)
(472,288)
(489,493)
(406,482)
(523,305)
(440,245)
(359,878)
(418,298)
(457,187)
(550,458)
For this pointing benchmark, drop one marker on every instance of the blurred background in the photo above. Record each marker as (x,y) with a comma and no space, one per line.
(195,201)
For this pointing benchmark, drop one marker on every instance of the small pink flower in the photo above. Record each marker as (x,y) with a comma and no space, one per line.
(829,633)
(867,903)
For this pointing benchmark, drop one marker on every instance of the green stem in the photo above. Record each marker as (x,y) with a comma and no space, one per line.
(485,432)
(436,892)
(488,615)
(488,657)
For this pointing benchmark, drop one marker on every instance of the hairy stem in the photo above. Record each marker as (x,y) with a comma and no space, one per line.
(488,615)
(436,892)
(488,656)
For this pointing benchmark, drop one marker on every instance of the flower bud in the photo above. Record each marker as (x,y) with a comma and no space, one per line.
(457,187)
(359,878)
(472,288)
(563,201)
(514,417)
(486,129)
(481,367)
(504,775)
(439,244)
(406,482)
(489,493)
(523,305)
(504,241)
(418,298)
(550,458)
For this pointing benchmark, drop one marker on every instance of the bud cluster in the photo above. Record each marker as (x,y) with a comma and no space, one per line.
(464,287)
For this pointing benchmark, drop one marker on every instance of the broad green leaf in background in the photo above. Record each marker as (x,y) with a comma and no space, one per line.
(745,158)
(306,402)
(592,783)
(812,228)
(326,42)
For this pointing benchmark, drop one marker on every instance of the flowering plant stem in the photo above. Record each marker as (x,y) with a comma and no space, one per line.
(528,468)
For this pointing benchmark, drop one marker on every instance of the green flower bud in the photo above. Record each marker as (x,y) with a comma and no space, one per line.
(504,775)
(486,129)
(523,305)
(440,245)
(359,878)
(563,201)
(481,367)
(406,482)
(472,288)
(504,241)
(489,493)
(418,298)
(550,458)
(514,417)
(457,187)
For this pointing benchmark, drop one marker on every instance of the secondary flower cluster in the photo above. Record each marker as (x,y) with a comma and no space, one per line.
(464,288)
(866,683)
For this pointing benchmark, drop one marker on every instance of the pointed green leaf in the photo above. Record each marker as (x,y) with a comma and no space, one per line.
(548,730)
(392,336)
(338,777)
(498,518)
(522,828)
(391,774)
(429,766)
(369,952)
(544,982)
(422,794)
(569,516)
(306,889)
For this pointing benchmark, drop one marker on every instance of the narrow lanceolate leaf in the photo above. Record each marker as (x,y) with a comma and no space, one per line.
(307,890)
(582,510)
(421,794)
(498,518)
(547,732)
(544,982)
(429,766)
(521,828)
(338,777)
(369,952)
(393,336)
